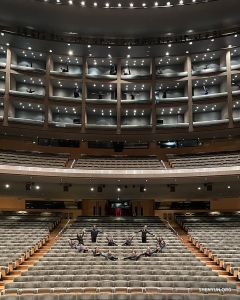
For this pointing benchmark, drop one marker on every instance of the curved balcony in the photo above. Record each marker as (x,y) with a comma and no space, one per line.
(101,101)
(172,100)
(146,101)
(2,65)
(26,95)
(172,75)
(136,77)
(2,91)
(64,125)
(210,123)
(65,99)
(173,125)
(101,127)
(101,76)
(65,74)
(209,71)
(28,69)
(136,127)
(25,121)
(235,67)
(210,96)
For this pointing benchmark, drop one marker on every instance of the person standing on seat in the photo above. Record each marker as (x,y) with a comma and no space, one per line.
(133,256)
(100,94)
(205,90)
(144,233)
(132,95)
(111,241)
(65,70)
(109,256)
(128,241)
(165,93)
(76,92)
(94,233)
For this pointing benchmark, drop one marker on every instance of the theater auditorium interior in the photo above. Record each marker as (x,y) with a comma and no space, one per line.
(119,114)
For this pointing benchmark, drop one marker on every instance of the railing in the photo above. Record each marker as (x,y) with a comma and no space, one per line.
(162,162)
(174,231)
(64,227)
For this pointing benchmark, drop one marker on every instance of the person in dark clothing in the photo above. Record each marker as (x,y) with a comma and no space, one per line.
(100,94)
(133,256)
(96,252)
(159,71)
(206,67)
(76,93)
(132,95)
(30,91)
(113,70)
(157,249)
(205,90)
(165,93)
(148,252)
(109,256)
(111,241)
(94,233)
(128,241)
(144,233)
(65,70)
(81,249)
(79,238)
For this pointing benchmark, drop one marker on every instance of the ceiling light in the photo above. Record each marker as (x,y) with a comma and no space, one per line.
(107,4)
(168,3)
(7,44)
(181,2)
(2,33)
(50,50)
(29,48)
(156,3)
(169,45)
(95,3)
(7,186)
(144,4)
(37,187)
(70,2)
(119,4)
(131,4)
(83,2)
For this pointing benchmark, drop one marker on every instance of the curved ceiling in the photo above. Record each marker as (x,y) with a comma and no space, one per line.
(120,23)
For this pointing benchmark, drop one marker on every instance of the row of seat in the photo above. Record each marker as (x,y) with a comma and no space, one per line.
(103,296)
(204,160)
(216,239)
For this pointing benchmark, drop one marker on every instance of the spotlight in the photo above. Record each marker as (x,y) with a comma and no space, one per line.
(209,186)
(99,189)
(119,189)
(142,189)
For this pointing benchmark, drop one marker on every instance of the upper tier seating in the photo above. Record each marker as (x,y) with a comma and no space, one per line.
(33,159)
(217,237)
(204,160)
(118,162)
(21,236)
(65,270)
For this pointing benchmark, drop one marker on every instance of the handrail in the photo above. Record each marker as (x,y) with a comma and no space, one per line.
(64,227)
(174,231)
(163,164)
